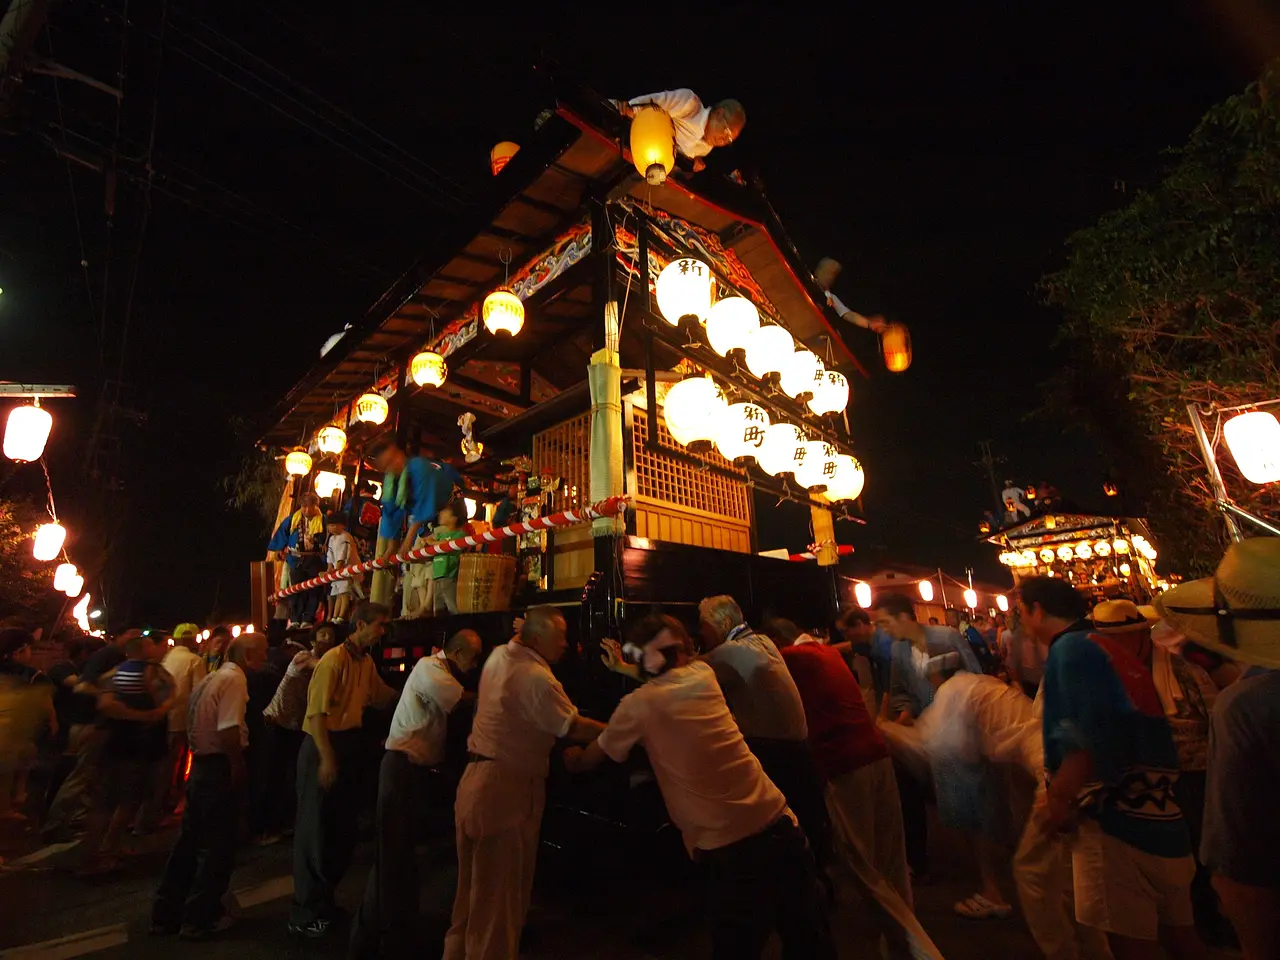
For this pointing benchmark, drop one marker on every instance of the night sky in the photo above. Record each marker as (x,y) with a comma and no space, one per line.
(944,161)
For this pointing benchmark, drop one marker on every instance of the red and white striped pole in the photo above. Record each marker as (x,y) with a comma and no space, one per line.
(842,550)
(611,507)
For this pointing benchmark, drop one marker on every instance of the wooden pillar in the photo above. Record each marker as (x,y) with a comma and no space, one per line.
(604,377)
(824,536)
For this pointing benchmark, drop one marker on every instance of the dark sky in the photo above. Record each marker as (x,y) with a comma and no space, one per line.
(943,160)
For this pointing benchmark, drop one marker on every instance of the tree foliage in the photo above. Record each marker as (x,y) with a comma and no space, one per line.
(1174,300)
(27,597)
(257,486)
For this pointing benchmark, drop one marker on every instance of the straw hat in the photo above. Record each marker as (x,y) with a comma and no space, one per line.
(1236,612)
(1118,616)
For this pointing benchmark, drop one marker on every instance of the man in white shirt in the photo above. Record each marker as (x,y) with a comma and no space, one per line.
(766,704)
(698,128)
(187,669)
(1012,493)
(730,814)
(520,713)
(189,900)
(407,778)
(826,274)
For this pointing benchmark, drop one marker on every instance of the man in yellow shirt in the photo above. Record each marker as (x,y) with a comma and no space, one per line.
(345,681)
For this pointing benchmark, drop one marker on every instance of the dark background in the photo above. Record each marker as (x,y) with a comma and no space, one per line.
(942,157)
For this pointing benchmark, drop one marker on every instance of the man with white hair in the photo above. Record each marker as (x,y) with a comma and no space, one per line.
(520,713)
(698,128)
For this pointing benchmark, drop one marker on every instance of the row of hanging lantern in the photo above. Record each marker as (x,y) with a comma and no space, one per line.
(1081,551)
(686,287)
(862,594)
(698,416)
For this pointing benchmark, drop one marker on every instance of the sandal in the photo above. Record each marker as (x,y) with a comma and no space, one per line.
(979,907)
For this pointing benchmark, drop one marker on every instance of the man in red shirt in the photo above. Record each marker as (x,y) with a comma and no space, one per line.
(861,792)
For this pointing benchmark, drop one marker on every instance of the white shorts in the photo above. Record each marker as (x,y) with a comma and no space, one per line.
(1122,890)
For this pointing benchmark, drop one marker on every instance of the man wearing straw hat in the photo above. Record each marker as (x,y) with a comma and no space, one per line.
(1111,766)
(1236,613)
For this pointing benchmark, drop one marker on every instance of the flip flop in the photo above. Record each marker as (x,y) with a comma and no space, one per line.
(979,907)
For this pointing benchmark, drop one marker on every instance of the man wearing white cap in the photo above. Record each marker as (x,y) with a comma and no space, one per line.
(1236,613)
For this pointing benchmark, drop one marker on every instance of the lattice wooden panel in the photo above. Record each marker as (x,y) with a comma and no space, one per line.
(684,484)
(565,451)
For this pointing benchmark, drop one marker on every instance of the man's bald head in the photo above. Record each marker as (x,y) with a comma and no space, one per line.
(248,651)
(725,123)
(544,631)
(463,648)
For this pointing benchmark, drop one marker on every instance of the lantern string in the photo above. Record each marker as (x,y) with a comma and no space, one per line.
(505,256)
(48,486)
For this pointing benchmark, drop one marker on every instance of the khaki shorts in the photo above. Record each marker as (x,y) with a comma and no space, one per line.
(1121,890)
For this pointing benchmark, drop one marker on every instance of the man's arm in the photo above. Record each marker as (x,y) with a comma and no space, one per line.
(582,759)
(876,324)
(901,705)
(676,103)
(112,708)
(328,771)
(584,730)
(1064,788)
(229,740)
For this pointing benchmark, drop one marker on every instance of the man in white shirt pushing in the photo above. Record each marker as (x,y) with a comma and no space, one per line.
(730,814)
(698,128)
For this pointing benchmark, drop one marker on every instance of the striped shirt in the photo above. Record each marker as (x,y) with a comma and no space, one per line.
(218,704)
(288,708)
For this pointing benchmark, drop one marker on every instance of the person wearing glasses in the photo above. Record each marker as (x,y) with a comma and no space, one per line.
(699,128)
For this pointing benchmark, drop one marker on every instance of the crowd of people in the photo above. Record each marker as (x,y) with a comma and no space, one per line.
(1129,791)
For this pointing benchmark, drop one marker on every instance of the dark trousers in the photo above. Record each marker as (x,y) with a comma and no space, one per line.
(762,883)
(281,777)
(913,797)
(385,926)
(199,867)
(325,830)
(789,764)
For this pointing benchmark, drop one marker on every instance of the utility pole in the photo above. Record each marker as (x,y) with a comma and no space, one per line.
(989,461)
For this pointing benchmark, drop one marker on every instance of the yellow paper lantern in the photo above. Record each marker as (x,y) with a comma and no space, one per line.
(1102,548)
(328,483)
(1046,555)
(971,598)
(372,408)
(297,463)
(503,312)
(63,575)
(428,369)
(501,155)
(847,481)
(26,431)
(74,586)
(783,449)
(1253,439)
(1125,569)
(48,540)
(331,439)
(740,434)
(768,350)
(1120,545)
(801,374)
(685,288)
(693,410)
(926,590)
(862,594)
(895,343)
(1002,602)
(731,323)
(818,465)
(653,144)
(831,393)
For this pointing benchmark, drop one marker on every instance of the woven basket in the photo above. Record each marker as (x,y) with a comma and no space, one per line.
(485,582)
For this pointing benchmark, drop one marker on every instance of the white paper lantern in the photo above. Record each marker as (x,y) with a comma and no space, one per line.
(926,591)
(1046,555)
(74,586)
(783,449)
(1120,545)
(471,507)
(297,463)
(801,373)
(741,432)
(693,410)
(862,594)
(818,465)
(428,369)
(1028,558)
(63,575)
(685,288)
(328,483)
(48,541)
(1065,552)
(331,439)
(503,312)
(731,323)
(1002,602)
(768,350)
(971,598)
(1125,569)
(1253,439)
(847,481)
(1084,551)
(26,431)
(831,393)
(1102,548)
(372,408)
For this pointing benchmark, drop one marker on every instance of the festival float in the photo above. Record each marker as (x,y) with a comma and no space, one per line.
(639,359)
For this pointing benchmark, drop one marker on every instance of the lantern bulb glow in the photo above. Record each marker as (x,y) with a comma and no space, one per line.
(79,612)
(372,408)
(1254,441)
(26,431)
(653,144)
(1065,552)
(847,481)
(1084,551)
(428,369)
(328,483)
(685,288)
(235,631)
(63,574)
(503,312)
(74,586)
(331,439)
(1125,569)
(48,541)
(297,463)
(862,593)
(970,598)
(1102,548)
(1002,602)
(731,323)
(895,343)
(1120,546)
(926,591)
(1046,555)
(768,350)
(693,410)
(472,506)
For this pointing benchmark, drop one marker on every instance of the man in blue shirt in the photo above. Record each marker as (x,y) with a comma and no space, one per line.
(297,541)
(414,489)
(1111,766)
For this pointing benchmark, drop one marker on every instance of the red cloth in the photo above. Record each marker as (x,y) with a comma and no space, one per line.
(842,734)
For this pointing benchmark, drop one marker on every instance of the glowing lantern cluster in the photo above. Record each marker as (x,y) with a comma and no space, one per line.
(74,586)
(862,594)
(26,431)
(895,343)
(503,312)
(1253,439)
(741,432)
(653,144)
(297,463)
(428,369)
(731,323)
(372,408)
(783,449)
(48,541)
(328,483)
(685,288)
(63,576)
(830,394)
(1144,547)
(801,374)
(926,590)
(81,612)
(331,439)
(768,350)
(693,410)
